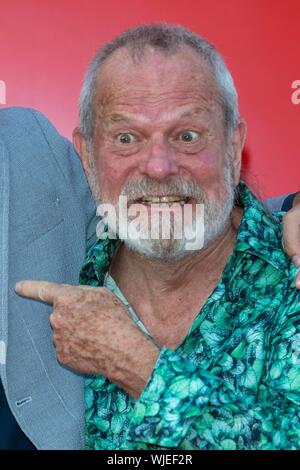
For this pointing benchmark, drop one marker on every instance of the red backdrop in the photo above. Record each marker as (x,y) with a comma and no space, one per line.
(45,46)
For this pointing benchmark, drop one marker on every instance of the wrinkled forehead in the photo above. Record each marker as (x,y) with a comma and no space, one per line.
(177,78)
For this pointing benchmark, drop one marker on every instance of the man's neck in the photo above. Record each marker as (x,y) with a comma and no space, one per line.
(171,292)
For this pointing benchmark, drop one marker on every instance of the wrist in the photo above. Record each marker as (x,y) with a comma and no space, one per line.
(134,377)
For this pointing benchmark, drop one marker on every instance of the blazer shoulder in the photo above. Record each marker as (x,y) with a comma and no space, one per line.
(30,138)
(29,125)
(42,158)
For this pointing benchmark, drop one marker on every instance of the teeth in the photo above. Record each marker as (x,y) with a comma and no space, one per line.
(164,200)
(170,199)
(152,199)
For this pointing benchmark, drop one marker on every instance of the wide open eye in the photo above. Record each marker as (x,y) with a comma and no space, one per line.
(125,138)
(188,136)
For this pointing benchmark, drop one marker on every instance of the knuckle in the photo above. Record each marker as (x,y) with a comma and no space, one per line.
(55,321)
(61,356)
(52,320)
(61,298)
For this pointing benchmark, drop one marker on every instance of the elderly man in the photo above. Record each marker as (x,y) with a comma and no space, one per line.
(184,349)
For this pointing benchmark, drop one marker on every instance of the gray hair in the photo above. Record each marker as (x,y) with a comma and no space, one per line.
(167,38)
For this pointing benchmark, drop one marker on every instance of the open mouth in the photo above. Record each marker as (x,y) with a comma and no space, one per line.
(163,200)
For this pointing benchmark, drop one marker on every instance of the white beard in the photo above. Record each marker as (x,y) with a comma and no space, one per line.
(216,216)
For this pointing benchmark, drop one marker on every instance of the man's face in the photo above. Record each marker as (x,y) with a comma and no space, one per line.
(159,131)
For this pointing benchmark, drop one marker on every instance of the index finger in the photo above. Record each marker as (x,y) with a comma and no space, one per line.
(40,290)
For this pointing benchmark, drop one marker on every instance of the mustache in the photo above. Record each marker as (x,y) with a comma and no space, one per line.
(147,187)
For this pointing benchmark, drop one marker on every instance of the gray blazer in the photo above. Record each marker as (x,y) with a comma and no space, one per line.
(47,217)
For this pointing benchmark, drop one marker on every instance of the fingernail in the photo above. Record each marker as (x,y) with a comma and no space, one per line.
(18,286)
(296,260)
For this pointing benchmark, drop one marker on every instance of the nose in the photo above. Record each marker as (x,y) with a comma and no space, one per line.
(159,161)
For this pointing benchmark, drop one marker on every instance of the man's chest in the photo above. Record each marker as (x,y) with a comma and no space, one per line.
(228,340)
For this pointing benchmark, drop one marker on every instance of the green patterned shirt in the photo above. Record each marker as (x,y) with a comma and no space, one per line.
(234,382)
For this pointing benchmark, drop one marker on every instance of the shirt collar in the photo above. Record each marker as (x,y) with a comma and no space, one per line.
(259,235)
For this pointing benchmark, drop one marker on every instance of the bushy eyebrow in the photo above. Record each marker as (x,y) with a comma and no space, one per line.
(197,112)
(124,117)
(118,117)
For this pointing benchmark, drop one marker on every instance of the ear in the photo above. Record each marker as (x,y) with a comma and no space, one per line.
(238,141)
(81,147)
